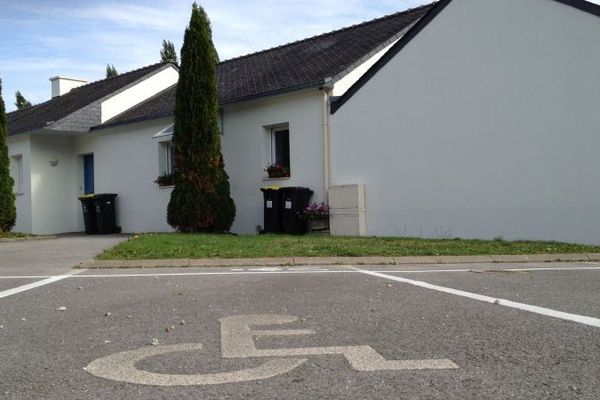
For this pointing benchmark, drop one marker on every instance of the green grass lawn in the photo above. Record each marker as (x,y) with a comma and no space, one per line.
(175,245)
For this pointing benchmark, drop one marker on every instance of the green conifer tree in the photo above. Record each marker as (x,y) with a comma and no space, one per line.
(21,102)
(8,212)
(201,200)
(168,52)
(111,71)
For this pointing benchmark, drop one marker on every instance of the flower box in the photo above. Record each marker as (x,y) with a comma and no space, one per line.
(317,215)
(277,171)
(165,180)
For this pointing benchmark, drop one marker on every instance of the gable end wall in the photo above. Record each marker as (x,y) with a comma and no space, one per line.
(484,125)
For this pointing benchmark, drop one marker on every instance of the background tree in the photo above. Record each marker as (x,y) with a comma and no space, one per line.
(168,52)
(21,102)
(8,212)
(111,71)
(200,201)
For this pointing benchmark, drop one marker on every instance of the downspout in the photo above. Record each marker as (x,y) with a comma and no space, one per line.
(326,93)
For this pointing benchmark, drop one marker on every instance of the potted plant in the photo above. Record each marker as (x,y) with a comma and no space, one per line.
(317,215)
(165,180)
(277,170)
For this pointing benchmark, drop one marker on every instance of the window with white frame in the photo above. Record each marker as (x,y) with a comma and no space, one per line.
(169,160)
(16,172)
(279,163)
(166,161)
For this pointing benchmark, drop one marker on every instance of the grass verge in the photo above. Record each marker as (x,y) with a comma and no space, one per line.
(175,245)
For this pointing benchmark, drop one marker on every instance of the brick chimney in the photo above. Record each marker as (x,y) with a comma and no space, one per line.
(62,85)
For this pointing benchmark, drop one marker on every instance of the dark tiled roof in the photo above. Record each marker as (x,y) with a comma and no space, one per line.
(303,64)
(38,116)
(308,62)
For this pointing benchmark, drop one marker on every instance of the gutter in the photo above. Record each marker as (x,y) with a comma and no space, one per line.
(326,90)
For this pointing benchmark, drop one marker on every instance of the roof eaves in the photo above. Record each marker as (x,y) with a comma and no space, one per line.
(30,131)
(131,121)
(25,133)
(583,5)
(400,44)
(276,92)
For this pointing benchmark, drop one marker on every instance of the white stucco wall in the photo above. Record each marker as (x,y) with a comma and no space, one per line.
(126,162)
(53,194)
(246,150)
(20,145)
(485,125)
(138,93)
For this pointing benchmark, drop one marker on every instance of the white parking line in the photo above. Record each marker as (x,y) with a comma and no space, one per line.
(493,300)
(27,276)
(482,270)
(223,273)
(149,274)
(37,284)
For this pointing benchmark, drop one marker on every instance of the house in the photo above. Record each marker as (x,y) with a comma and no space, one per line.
(462,118)
(113,136)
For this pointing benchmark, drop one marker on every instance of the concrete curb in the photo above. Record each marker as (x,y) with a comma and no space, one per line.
(27,239)
(297,261)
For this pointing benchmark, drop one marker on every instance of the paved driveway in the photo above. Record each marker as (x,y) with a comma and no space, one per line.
(51,256)
(335,332)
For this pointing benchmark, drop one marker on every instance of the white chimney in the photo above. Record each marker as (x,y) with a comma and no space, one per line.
(62,85)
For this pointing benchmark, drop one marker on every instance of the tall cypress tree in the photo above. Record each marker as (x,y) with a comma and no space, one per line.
(201,200)
(8,212)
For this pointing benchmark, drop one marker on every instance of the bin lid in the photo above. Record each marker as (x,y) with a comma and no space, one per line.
(87,197)
(267,188)
(105,196)
(296,189)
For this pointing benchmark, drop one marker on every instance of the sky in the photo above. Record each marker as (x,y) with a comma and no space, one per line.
(77,38)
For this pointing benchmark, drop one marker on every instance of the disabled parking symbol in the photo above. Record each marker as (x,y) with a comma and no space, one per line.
(237,341)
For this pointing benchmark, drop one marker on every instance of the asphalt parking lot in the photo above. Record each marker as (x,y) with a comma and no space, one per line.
(497,331)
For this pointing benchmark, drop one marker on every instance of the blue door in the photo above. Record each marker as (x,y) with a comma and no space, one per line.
(88,174)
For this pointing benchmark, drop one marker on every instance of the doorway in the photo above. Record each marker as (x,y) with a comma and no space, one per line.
(88,174)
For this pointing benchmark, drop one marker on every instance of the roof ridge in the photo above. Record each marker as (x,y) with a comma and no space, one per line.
(78,88)
(151,66)
(321,35)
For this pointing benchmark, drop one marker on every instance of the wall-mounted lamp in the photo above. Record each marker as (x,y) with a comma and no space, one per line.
(53,162)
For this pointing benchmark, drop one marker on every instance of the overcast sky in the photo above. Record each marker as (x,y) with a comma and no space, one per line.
(77,38)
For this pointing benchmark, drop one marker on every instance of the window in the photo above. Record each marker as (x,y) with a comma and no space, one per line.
(166,163)
(16,172)
(167,160)
(279,164)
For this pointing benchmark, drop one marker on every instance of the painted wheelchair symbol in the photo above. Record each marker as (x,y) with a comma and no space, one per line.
(237,342)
